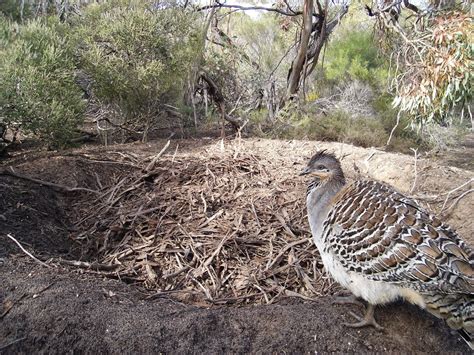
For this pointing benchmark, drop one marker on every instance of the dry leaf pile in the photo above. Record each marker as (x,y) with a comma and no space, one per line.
(229,226)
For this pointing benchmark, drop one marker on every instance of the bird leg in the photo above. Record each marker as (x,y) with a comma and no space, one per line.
(349,299)
(365,321)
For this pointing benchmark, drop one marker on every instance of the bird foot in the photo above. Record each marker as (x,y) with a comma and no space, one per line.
(350,299)
(367,320)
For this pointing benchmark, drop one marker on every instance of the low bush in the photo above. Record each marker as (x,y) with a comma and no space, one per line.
(353,55)
(340,127)
(38,89)
(138,56)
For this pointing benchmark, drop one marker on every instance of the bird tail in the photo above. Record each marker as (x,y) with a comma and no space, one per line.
(457,310)
(468,337)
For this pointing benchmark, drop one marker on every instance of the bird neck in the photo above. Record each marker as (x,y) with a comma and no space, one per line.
(320,195)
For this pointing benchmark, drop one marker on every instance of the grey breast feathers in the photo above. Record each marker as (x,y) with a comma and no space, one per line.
(376,231)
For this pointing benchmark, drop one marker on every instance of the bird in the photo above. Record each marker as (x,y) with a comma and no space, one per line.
(383,246)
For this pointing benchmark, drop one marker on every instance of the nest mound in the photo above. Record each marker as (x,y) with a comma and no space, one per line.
(228,226)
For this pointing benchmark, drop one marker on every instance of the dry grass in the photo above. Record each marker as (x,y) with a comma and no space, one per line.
(229,226)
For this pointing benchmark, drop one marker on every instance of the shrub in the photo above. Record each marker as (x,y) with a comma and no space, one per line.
(38,89)
(326,128)
(354,55)
(404,136)
(341,127)
(137,55)
(366,132)
(6,32)
(12,9)
(436,78)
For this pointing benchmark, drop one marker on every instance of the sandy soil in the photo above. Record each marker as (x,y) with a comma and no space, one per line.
(59,310)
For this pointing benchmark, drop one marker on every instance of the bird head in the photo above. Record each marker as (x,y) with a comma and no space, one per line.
(324,166)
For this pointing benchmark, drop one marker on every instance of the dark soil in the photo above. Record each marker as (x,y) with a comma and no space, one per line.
(58,310)
(34,215)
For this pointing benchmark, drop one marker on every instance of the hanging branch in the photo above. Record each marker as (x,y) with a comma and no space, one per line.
(219,5)
(321,35)
(314,34)
(393,7)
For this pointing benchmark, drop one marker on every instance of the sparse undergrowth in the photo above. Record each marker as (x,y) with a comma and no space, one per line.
(361,131)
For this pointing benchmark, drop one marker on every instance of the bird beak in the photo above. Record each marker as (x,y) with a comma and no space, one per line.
(305,171)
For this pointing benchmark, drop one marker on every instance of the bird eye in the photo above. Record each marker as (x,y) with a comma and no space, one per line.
(321,167)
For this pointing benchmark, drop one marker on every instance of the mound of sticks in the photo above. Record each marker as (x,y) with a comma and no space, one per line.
(228,226)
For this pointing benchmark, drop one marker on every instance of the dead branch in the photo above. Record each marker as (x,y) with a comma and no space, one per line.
(9,305)
(388,8)
(3,347)
(394,128)
(59,187)
(454,190)
(156,157)
(456,201)
(219,101)
(36,294)
(246,8)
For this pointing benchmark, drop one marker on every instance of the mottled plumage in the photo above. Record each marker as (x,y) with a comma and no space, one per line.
(382,246)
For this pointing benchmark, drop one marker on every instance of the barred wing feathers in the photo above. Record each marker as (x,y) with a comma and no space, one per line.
(376,231)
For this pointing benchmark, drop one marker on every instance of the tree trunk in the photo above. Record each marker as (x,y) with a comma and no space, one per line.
(299,62)
(219,100)
(313,38)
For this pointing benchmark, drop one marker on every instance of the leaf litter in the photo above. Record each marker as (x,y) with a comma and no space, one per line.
(226,227)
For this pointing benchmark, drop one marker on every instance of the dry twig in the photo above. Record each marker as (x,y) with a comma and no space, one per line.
(3,347)
(415,151)
(216,224)
(156,157)
(55,186)
(86,265)
(454,190)
(27,252)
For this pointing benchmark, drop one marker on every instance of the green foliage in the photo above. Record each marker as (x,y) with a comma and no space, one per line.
(339,126)
(38,89)
(138,56)
(258,117)
(220,65)
(11,9)
(249,57)
(6,31)
(437,77)
(403,137)
(353,55)
(263,40)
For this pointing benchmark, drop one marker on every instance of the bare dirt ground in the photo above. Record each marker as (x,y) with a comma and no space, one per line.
(60,309)
(59,312)
(460,156)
